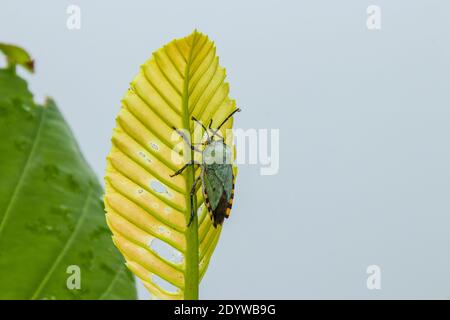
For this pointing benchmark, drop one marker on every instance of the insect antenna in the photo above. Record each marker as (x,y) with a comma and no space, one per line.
(229,116)
(183,136)
(204,128)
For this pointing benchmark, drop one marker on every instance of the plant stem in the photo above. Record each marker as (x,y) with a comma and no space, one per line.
(191,277)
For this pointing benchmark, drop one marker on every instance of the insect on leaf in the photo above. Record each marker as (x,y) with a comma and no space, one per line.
(147,210)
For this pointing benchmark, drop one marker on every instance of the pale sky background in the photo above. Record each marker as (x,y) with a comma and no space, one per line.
(364,119)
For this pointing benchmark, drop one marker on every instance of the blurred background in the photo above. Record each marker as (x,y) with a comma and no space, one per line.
(364,124)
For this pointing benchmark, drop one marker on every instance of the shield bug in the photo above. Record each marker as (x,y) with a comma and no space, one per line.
(216,172)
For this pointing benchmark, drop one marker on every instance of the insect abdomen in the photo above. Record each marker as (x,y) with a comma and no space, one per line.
(218,191)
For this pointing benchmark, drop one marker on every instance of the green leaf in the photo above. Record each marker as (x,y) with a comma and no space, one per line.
(51,212)
(147,210)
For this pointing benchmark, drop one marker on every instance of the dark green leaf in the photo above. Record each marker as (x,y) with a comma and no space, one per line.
(51,212)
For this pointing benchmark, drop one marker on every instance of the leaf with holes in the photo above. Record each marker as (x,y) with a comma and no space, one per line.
(147,210)
(54,242)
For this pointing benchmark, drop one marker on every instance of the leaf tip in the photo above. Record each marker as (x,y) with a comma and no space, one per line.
(17,56)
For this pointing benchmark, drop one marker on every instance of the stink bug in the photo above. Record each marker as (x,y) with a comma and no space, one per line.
(216,173)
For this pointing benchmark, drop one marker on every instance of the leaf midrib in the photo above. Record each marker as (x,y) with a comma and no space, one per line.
(24,171)
(192,266)
(66,247)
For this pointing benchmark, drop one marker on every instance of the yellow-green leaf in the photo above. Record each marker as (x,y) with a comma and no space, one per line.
(147,210)
(16,55)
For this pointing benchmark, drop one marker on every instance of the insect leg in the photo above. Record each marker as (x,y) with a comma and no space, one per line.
(179,171)
(193,191)
(186,140)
